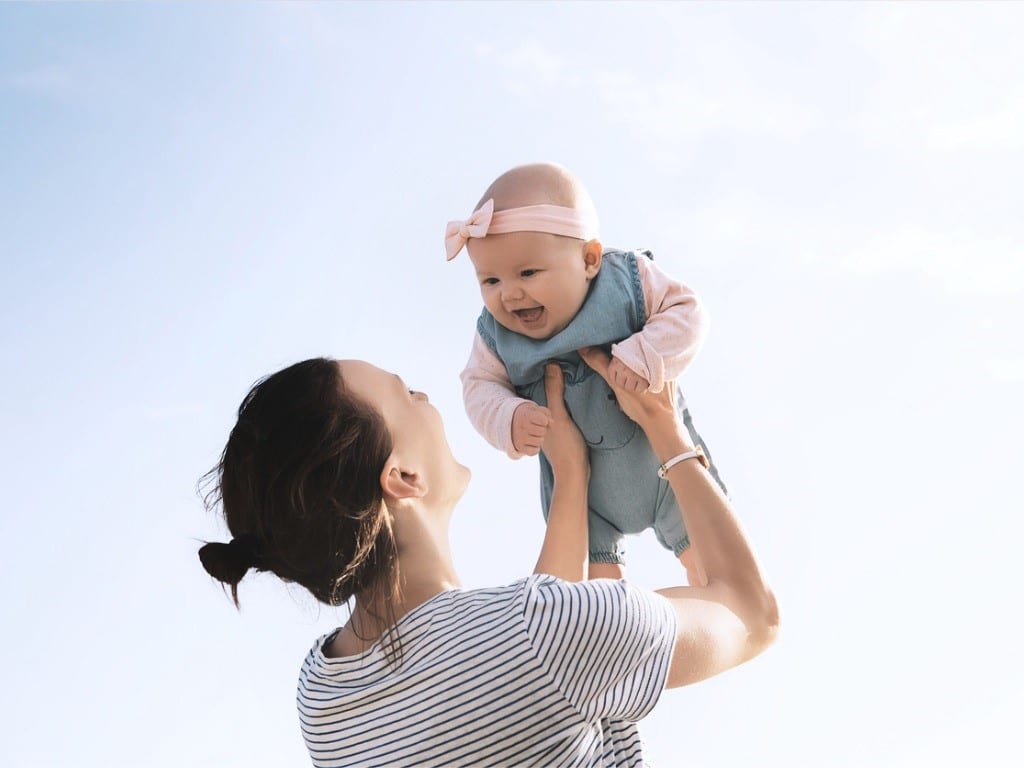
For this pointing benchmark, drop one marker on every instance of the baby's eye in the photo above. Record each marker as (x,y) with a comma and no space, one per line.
(528,272)
(490,281)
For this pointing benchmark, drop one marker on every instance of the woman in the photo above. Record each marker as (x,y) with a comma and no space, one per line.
(338,477)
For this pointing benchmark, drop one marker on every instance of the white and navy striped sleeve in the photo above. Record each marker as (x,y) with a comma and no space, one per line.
(605,644)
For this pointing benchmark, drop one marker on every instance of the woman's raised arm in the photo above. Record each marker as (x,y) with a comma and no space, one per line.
(564,551)
(734,617)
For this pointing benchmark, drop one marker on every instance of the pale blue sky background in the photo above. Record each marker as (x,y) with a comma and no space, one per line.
(192,196)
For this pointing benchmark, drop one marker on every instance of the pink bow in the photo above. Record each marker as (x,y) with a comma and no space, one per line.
(457,233)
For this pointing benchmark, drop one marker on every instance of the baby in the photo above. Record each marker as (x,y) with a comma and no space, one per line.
(549,288)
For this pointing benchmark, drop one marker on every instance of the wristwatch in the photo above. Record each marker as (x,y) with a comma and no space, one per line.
(697,453)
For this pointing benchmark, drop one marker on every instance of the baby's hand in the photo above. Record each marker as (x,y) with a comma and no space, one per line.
(529,426)
(622,377)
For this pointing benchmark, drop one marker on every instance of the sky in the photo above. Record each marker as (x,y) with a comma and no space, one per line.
(195,195)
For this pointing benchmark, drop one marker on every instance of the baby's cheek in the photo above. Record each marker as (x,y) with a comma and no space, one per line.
(489,299)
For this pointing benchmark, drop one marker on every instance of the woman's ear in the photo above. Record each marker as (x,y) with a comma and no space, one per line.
(399,484)
(592,251)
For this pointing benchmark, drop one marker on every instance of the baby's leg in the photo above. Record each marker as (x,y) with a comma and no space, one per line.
(607,549)
(606,571)
(671,534)
(695,575)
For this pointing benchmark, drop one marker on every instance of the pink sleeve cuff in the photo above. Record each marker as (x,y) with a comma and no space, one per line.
(673,331)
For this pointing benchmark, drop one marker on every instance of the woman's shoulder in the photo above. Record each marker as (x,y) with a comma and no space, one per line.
(597,606)
(459,600)
(602,630)
(546,588)
(543,589)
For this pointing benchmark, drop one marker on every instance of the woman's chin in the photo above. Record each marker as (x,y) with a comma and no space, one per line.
(456,479)
(466,475)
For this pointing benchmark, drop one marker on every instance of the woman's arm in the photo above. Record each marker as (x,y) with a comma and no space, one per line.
(564,551)
(734,617)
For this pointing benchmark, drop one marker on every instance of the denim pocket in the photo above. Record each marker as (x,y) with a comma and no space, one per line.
(597,414)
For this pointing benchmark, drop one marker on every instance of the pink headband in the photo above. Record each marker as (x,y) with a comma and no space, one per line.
(553,219)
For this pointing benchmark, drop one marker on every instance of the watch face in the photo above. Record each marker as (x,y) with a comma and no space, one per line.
(702,458)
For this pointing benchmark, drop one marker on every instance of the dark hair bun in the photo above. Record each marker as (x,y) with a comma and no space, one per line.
(230,562)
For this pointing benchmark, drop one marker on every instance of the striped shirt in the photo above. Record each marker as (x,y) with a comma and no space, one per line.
(540,672)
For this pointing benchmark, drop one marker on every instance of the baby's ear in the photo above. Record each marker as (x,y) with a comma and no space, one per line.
(592,251)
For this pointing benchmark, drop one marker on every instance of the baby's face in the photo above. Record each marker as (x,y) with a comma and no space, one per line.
(532,282)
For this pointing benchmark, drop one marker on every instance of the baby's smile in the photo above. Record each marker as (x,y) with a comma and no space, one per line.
(529,317)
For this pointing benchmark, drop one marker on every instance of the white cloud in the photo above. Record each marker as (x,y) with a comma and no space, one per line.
(530,69)
(531,62)
(737,222)
(670,109)
(738,226)
(86,79)
(1001,128)
(963,262)
(47,80)
(666,108)
(941,76)
(1006,370)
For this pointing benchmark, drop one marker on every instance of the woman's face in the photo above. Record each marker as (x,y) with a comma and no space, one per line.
(417,430)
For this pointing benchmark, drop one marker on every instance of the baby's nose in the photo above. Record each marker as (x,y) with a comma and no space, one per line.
(511,291)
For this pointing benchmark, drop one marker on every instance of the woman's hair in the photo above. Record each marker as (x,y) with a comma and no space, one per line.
(299,486)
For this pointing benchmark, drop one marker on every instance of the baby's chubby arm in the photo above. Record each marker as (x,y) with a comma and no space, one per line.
(672,335)
(510,423)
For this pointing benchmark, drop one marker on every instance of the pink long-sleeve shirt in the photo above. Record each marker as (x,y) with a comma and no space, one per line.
(674,329)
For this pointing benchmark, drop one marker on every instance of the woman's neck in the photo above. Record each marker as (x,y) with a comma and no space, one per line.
(425,569)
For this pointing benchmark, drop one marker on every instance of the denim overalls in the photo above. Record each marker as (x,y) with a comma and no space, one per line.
(625,493)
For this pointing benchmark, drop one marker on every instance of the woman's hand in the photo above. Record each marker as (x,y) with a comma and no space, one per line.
(563,444)
(655,412)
